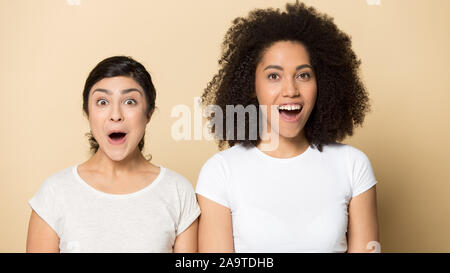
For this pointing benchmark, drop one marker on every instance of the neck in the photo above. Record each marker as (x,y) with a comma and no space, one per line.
(104,164)
(287,147)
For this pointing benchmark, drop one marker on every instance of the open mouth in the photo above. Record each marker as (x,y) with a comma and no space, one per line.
(117,137)
(290,112)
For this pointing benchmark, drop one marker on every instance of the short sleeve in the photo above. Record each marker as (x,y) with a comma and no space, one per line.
(190,209)
(361,173)
(212,181)
(45,204)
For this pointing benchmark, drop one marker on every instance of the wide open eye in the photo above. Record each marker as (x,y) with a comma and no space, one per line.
(130,101)
(102,102)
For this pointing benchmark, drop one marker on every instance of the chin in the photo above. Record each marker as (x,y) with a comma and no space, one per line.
(117,155)
(289,132)
(290,135)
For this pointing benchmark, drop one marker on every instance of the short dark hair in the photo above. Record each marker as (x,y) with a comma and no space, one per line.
(119,66)
(342,100)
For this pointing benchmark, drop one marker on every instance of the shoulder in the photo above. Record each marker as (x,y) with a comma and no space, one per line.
(229,156)
(344,150)
(217,169)
(50,196)
(59,180)
(346,156)
(358,164)
(176,180)
(354,154)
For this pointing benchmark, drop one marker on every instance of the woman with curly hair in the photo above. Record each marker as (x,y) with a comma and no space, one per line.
(117,201)
(311,193)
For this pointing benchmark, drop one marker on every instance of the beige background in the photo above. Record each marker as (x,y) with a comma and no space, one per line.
(48,48)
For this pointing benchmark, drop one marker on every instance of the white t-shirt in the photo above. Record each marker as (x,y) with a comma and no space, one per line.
(298,204)
(88,220)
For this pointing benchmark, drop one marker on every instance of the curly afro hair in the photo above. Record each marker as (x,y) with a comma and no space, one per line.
(342,100)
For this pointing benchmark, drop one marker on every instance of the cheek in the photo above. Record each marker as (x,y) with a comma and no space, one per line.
(96,119)
(265,93)
(95,112)
(96,126)
(135,114)
(310,93)
(137,119)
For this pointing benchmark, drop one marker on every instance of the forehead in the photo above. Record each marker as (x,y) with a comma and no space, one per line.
(285,52)
(116,84)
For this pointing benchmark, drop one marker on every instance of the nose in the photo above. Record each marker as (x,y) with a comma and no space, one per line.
(116,113)
(290,88)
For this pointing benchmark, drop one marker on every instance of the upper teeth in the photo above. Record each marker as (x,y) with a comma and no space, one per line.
(289,107)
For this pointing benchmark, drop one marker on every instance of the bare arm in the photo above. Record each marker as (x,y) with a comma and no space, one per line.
(215,232)
(186,242)
(41,237)
(363,223)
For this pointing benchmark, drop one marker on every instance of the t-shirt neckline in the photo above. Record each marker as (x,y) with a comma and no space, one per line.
(283,160)
(119,196)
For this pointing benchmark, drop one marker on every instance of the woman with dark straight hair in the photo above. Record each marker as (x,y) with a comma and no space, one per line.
(117,201)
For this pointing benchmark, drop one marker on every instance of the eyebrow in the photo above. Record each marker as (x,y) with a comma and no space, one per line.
(280,68)
(125,91)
